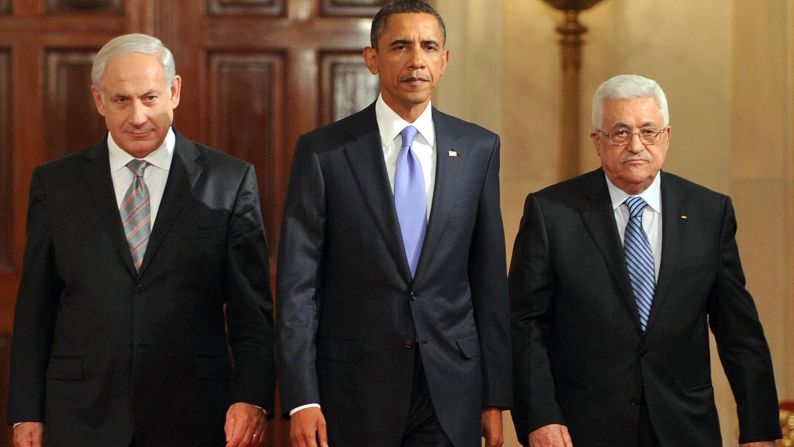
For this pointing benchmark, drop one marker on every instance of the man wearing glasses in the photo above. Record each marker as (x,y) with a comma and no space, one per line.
(616,277)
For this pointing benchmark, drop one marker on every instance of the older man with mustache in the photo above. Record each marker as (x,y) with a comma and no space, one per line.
(616,277)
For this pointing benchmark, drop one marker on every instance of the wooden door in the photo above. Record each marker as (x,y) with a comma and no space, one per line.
(256,74)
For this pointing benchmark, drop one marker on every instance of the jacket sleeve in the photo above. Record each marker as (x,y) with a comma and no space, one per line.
(300,254)
(741,343)
(36,307)
(249,302)
(487,265)
(532,291)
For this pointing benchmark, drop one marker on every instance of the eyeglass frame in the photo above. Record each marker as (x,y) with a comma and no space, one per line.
(657,136)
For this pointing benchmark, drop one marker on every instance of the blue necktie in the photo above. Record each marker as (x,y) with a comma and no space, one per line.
(639,260)
(410,199)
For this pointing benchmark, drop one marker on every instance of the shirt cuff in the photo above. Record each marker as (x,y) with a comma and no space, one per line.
(303,407)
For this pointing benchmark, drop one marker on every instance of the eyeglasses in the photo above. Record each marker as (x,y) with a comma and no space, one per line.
(647,135)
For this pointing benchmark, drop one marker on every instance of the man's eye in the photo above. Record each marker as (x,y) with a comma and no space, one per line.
(621,133)
(648,132)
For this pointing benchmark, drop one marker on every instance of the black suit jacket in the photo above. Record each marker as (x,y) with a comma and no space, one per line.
(101,353)
(580,356)
(349,315)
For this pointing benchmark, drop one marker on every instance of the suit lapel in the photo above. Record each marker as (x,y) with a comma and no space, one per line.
(96,172)
(181,177)
(599,218)
(448,177)
(365,156)
(674,212)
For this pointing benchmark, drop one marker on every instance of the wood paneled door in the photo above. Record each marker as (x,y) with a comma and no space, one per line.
(256,74)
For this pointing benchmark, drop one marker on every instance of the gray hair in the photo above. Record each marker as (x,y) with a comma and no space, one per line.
(628,86)
(132,43)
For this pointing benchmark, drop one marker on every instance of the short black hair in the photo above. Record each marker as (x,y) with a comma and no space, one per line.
(402,7)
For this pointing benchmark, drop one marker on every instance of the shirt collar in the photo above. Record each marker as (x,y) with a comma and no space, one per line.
(652,194)
(390,124)
(160,157)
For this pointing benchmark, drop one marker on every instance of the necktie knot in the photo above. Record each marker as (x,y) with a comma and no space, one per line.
(408,134)
(636,205)
(137,167)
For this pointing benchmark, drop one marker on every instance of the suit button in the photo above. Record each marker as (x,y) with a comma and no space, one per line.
(644,352)
(409,344)
(413,296)
(138,288)
(634,401)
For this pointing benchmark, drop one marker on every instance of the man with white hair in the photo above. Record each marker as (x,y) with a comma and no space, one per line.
(616,277)
(144,314)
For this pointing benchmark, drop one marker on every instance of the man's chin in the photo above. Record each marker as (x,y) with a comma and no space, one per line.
(139,149)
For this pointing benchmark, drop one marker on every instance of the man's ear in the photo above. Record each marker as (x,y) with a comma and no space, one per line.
(444,61)
(176,90)
(371,59)
(97,95)
(596,136)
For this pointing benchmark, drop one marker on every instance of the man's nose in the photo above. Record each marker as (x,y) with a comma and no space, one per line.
(635,144)
(137,113)
(417,56)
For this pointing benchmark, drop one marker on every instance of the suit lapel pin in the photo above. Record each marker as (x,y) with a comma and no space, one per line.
(452,153)
(684,217)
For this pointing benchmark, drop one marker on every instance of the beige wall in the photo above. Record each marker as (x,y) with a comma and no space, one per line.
(728,70)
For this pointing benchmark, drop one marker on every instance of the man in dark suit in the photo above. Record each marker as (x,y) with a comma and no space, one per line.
(393,329)
(142,251)
(615,279)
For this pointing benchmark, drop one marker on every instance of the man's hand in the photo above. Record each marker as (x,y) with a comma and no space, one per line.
(491,422)
(306,427)
(552,435)
(245,426)
(29,434)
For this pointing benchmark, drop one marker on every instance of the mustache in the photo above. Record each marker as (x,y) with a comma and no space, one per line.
(642,156)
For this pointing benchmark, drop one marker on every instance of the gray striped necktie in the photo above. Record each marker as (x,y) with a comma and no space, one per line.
(639,260)
(135,213)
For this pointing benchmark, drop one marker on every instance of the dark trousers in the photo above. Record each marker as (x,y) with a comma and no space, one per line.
(423,428)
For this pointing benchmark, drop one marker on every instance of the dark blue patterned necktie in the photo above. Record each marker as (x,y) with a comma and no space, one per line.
(639,260)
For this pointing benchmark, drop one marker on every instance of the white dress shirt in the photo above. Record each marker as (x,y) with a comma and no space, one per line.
(424,145)
(651,215)
(154,176)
